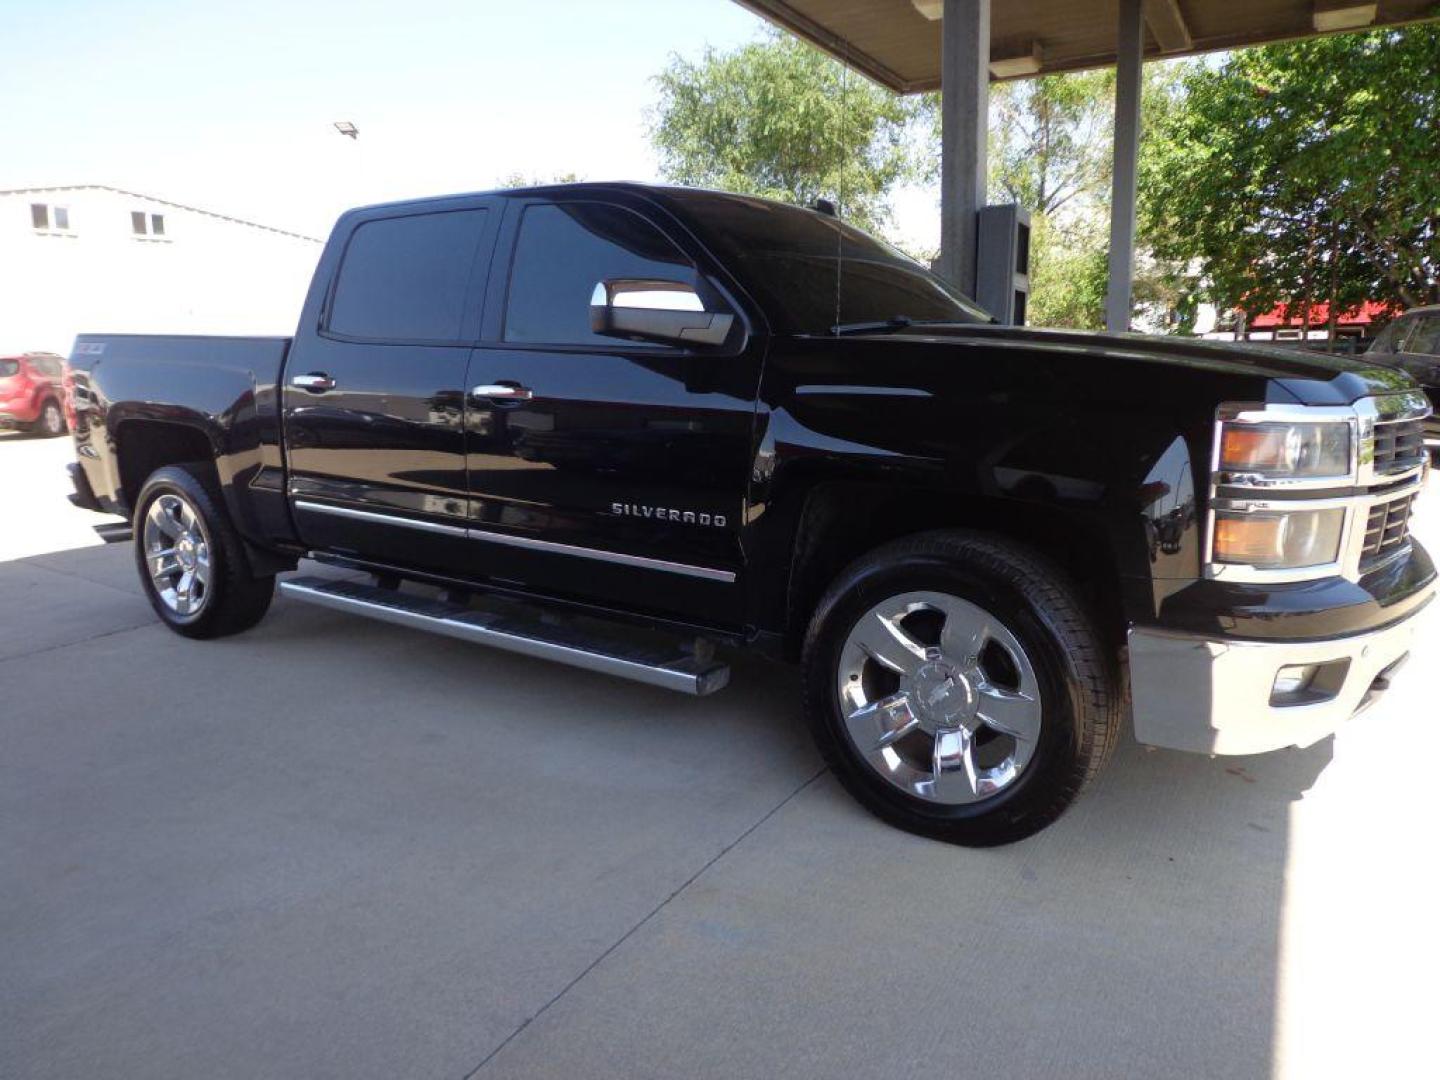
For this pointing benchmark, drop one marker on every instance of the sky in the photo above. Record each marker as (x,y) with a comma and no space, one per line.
(231,107)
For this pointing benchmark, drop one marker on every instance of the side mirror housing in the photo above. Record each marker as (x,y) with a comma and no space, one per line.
(665,311)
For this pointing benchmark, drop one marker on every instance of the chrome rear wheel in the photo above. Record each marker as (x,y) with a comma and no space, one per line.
(177,554)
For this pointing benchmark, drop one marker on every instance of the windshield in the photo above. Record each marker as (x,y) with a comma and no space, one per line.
(8,368)
(793,257)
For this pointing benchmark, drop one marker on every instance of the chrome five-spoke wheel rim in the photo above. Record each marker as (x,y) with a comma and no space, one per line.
(177,554)
(939,697)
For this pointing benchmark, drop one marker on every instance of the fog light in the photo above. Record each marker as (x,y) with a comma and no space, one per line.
(1308,684)
(1293,679)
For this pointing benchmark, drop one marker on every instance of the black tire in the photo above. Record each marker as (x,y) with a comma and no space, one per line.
(1078,679)
(51,423)
(235,599)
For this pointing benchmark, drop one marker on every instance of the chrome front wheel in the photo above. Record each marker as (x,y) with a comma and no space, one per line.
(939,697)
(177,554)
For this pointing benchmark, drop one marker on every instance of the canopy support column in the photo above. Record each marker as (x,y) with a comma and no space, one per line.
(964,116)
(1119,297)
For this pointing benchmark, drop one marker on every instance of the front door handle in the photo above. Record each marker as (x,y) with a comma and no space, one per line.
(316,381)
(503,392)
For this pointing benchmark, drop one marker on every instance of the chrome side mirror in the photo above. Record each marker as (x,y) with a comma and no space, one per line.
(653,310)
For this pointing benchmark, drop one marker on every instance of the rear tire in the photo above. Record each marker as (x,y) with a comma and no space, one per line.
(191,561)
(958,688)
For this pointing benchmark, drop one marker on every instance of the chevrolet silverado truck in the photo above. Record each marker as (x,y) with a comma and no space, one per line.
(619,426)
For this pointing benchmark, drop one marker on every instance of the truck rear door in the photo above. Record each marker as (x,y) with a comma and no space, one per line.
(608,469)
(374,395)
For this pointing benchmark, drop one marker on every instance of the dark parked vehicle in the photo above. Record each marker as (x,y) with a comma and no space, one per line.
(32,393)
(1411,343)
(616,425)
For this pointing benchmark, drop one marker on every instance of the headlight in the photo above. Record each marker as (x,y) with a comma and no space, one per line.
(1276,540)
(1300,450)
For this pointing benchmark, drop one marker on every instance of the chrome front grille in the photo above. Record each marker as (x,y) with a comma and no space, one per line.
(1387,530)
(1399,445)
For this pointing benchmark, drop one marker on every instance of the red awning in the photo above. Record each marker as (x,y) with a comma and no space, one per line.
(1363,315)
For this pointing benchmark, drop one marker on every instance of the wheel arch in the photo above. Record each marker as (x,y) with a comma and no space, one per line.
(841,521)
(144,444)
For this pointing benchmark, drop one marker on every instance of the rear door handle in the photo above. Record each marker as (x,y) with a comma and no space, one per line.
(503,392)
(315,381)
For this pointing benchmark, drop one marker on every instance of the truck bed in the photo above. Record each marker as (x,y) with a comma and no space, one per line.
(221,391)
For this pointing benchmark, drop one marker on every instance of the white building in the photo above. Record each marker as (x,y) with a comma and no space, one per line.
(91,258)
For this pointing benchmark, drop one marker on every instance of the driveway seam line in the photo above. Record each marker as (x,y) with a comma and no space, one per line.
(76,577)
(79,641)
(636,928)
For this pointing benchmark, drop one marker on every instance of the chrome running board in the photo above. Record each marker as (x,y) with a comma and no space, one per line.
(638,655)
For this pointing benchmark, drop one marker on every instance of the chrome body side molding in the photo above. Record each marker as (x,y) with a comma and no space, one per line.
(641,562)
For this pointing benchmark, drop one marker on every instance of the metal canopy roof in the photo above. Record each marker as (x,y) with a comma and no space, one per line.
(895,44)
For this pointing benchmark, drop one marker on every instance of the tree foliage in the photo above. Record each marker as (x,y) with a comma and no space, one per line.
(1305,172)
(523,180)
(778,118)
(1050,141)
(1069,275)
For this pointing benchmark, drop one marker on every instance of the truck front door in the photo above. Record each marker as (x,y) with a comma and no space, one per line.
(602,468)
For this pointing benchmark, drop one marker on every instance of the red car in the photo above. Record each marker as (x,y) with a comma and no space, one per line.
(32,393)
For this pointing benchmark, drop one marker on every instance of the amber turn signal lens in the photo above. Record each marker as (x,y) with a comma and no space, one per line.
(1278,540)
(1251,447)
(1286,450)
(1249,539)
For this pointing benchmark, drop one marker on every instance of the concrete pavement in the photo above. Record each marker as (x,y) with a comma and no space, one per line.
(335,848)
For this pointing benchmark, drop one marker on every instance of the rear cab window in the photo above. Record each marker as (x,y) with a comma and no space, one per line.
(407,279)
(9,368)
(563,250)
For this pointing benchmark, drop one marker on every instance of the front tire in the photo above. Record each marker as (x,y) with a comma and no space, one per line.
(192,563)
(958,688)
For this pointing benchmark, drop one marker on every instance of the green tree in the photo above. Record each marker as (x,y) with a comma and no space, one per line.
(1305,172)
(1069,275)
(780,119)
(1049,151)
(1049,145)
(521,180)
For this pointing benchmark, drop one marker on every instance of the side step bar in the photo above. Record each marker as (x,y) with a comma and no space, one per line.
(642,656)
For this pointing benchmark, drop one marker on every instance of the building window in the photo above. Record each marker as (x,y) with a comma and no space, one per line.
(49,219)
(147,225)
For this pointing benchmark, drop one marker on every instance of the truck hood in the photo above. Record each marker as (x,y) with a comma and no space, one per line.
(1310,378)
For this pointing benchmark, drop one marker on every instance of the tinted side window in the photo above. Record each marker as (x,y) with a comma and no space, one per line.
(405,278)
(1425,339)
(1392,337)
(564,251)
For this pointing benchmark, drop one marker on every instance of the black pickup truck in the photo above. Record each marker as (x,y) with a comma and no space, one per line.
(618,426)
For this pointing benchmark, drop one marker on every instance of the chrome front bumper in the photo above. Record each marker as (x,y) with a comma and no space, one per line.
(1214,697)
